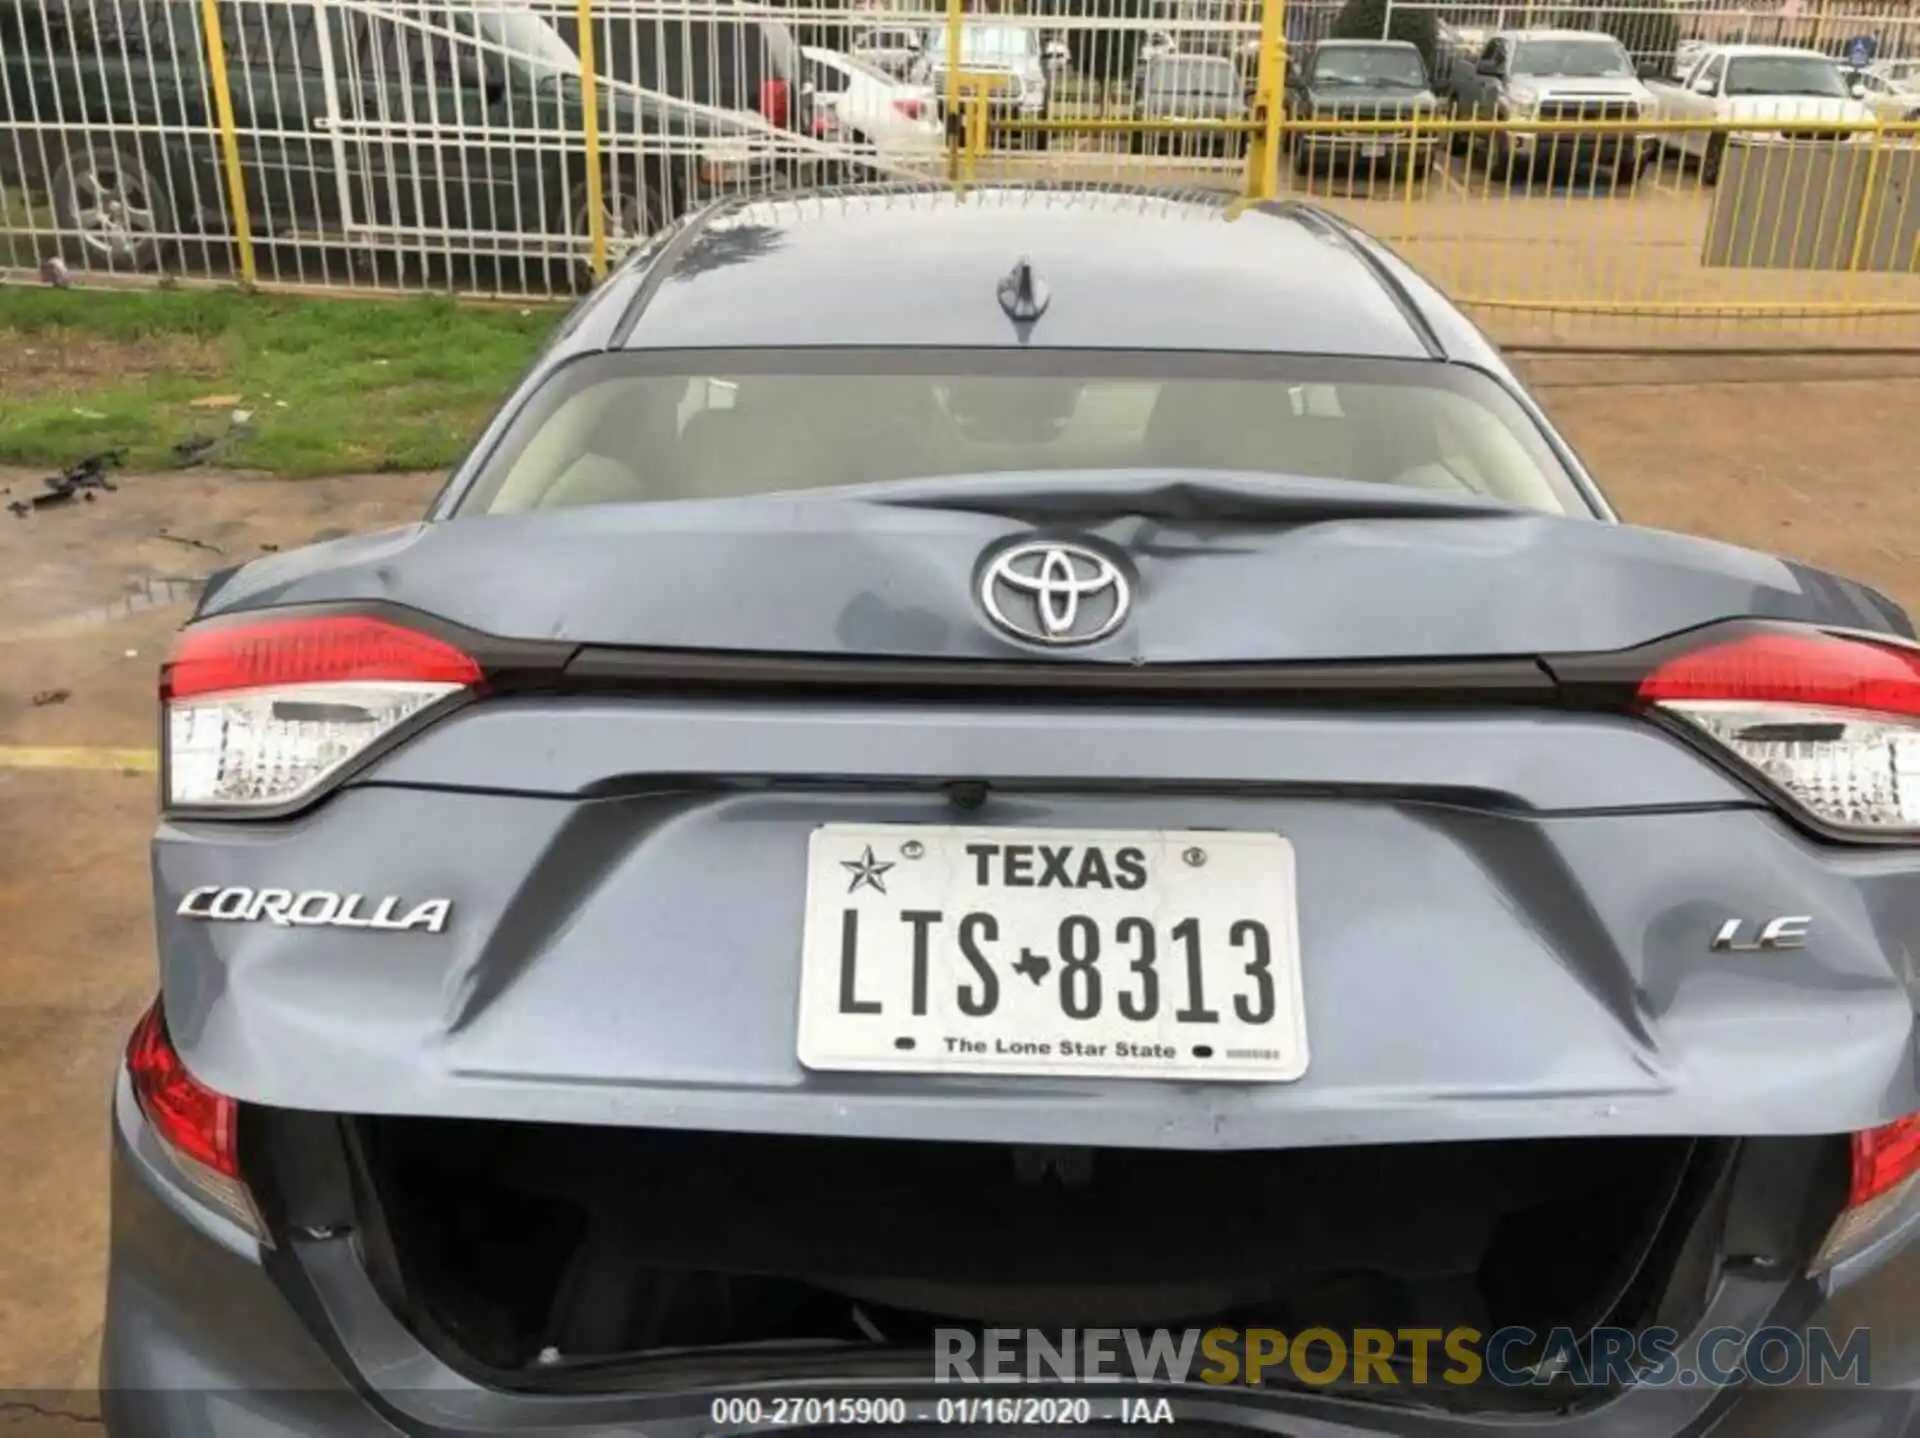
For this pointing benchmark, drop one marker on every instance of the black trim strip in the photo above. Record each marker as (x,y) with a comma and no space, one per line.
(665,264)
(1360,247)
(1425,682)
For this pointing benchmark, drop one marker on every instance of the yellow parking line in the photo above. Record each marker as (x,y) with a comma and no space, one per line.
(55,756)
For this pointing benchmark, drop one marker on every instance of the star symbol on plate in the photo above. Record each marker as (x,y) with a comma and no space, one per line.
(866,871)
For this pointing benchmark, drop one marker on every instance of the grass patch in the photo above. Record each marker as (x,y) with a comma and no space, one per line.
(333,386)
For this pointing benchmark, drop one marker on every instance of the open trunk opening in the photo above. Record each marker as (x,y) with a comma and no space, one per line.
(504,1240)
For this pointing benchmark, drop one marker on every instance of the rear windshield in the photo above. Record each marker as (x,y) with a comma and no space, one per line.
(634,428)
(720,63)
(628,428)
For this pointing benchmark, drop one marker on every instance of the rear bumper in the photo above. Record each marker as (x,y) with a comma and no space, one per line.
(205,1333)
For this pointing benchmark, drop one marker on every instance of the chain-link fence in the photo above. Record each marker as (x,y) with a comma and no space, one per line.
(1707,173)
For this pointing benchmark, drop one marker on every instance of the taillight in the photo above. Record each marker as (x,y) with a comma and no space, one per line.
(259,714)
(1884,1158)
(200,1129)
(912,109)
(775,104)
(1886,1169)
(1833,720)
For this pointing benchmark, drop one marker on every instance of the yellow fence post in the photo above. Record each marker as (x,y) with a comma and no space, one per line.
(590,122)
(977,135)
(1866,203)
(1413,169)
(973,91)
(958,140)
(229,138)
(1263,146)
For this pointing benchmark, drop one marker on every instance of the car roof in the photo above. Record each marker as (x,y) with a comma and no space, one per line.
(1756,51)
(1549,32)
(1365,45)
(915,266)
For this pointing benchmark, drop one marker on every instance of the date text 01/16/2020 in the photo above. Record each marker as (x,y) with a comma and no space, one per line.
(812,1410)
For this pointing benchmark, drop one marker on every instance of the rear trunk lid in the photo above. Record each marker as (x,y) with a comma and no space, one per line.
(622,850)
(1327,573)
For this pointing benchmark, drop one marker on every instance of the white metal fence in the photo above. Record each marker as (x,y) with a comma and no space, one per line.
(518,146)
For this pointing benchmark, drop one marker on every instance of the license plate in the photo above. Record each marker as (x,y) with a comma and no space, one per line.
(1168,954)
(1372,150)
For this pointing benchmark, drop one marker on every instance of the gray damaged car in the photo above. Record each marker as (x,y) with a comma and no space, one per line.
(1030,758)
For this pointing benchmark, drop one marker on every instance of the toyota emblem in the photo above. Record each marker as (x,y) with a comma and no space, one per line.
(1055,594)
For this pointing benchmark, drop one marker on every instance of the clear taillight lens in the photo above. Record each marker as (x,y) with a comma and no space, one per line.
(262,714)
(1832,720)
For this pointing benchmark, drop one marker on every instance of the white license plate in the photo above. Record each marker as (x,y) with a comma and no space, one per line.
(1166,954)
(1372,150)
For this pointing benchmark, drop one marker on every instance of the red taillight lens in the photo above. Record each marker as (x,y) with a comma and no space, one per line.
(260,714)
(775,104)
(1833,720)
(198,1128)
(196,1122)
(1886,1161)
(1813,668)
(1884,1158)
(912,109)
(330,650)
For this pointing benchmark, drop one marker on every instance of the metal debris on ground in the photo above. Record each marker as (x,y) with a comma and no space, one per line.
(55,273)
(189,541)
(51,696)
(81,479)
(200,448)
(195,450)
(214,401)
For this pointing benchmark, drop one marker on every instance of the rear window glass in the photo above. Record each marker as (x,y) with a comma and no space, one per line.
(618,429)
(709,62)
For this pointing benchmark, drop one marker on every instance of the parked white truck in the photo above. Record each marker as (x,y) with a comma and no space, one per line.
(1555,75)
(1766,84)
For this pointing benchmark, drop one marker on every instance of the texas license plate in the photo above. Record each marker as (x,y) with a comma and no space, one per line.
(1169,954)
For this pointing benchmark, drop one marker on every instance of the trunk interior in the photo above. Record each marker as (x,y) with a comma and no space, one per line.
(496,1241)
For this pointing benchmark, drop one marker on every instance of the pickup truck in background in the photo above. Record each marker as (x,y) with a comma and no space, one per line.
(1362,80)
(1891,89)
(1572,75)
(1764,83)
